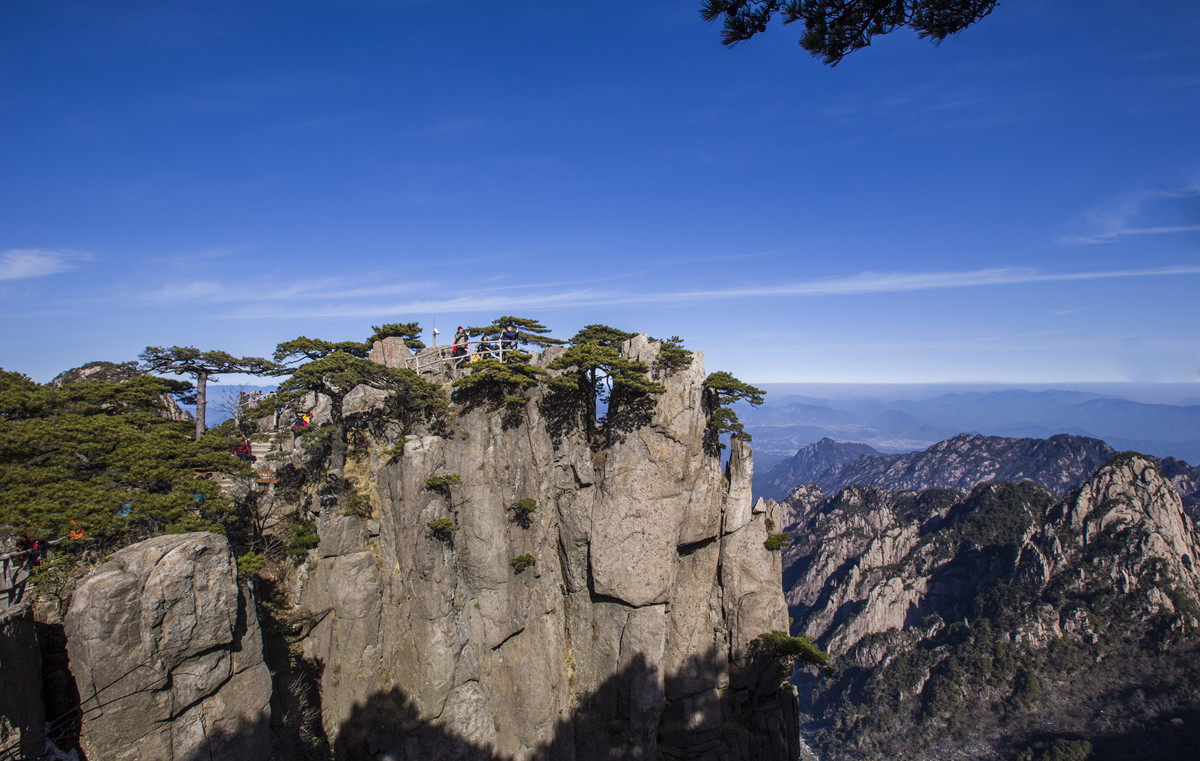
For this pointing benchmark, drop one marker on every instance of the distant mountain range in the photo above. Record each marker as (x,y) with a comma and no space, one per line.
(787,423)
(1058,464)
(1004,623)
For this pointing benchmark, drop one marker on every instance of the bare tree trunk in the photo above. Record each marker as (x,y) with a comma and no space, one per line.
(201,401)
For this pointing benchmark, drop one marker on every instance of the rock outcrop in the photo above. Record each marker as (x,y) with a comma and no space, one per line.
(21,712)
(529,593)
(167,655)
(1007,611)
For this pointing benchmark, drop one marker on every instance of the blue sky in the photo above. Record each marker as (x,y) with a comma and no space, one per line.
(1018,205)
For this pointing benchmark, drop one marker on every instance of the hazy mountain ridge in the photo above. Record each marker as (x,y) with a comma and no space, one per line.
(788,422)
(806,466)
(1058,464)
(1001,622)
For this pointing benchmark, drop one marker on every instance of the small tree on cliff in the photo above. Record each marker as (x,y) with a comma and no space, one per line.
(303,348)
(499,383)
(334,371)
(529,331)
(593,367)
(724,390)
(201,365)
(409,331)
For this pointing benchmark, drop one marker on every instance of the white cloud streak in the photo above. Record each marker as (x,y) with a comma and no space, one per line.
(24,263)
(529,296)
(1115,221)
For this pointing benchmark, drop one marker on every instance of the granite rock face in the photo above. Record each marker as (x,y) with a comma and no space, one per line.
(21,713)
(1013,615)
(876,552)
(630,635)
(167,655)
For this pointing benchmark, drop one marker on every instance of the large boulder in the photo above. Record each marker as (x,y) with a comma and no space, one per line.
(167,654)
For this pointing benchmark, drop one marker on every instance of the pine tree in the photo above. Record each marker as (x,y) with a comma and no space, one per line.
(593,367)
(409,331)
(335,372)
(530,331)
(97,465)
(835,28)
(201,365)
(726,390)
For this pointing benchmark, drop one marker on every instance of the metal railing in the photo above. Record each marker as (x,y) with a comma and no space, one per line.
(435,359)
(15,570)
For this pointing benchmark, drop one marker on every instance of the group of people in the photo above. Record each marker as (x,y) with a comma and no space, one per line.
(509,338)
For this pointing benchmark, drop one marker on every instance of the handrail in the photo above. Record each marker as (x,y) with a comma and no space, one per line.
(14,576)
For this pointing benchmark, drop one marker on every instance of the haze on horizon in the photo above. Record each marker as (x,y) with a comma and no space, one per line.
(1020,205)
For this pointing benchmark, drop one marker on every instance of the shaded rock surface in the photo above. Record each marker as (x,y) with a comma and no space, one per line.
(21,711)
(631,633)
(167,655)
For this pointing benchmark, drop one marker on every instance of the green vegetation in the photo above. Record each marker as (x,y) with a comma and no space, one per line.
(525,506)
(593,370)
(724,390)
(671,354)
(776,542)
(188,360)
(499,383)
(396,450)
(336,369)
(302,537)
(522,511)
(521,562)
(357,504)
(250,564)
(835,28)
(441,529)
(96,465)
(406,330)
(529,331)
(442,483)
(781,645)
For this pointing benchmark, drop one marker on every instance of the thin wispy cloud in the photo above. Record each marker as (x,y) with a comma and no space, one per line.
(23,263)
(528,296)
(1124,217)
(323,290)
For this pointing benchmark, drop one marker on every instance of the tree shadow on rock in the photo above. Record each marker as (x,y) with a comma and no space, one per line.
(564,412)
(628,412)
(702,712)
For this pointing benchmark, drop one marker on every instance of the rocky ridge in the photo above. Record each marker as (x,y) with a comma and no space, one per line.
(577,597)
(996,620)
(1059,463)
(807,466)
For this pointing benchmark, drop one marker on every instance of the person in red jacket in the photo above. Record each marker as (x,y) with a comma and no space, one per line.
(243,451)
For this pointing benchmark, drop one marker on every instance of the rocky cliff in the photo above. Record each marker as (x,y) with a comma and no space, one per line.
(527,588)
(167,655)
(21,712)
(1002,621)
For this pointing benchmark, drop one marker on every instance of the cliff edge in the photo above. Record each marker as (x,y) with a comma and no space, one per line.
(521,591)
